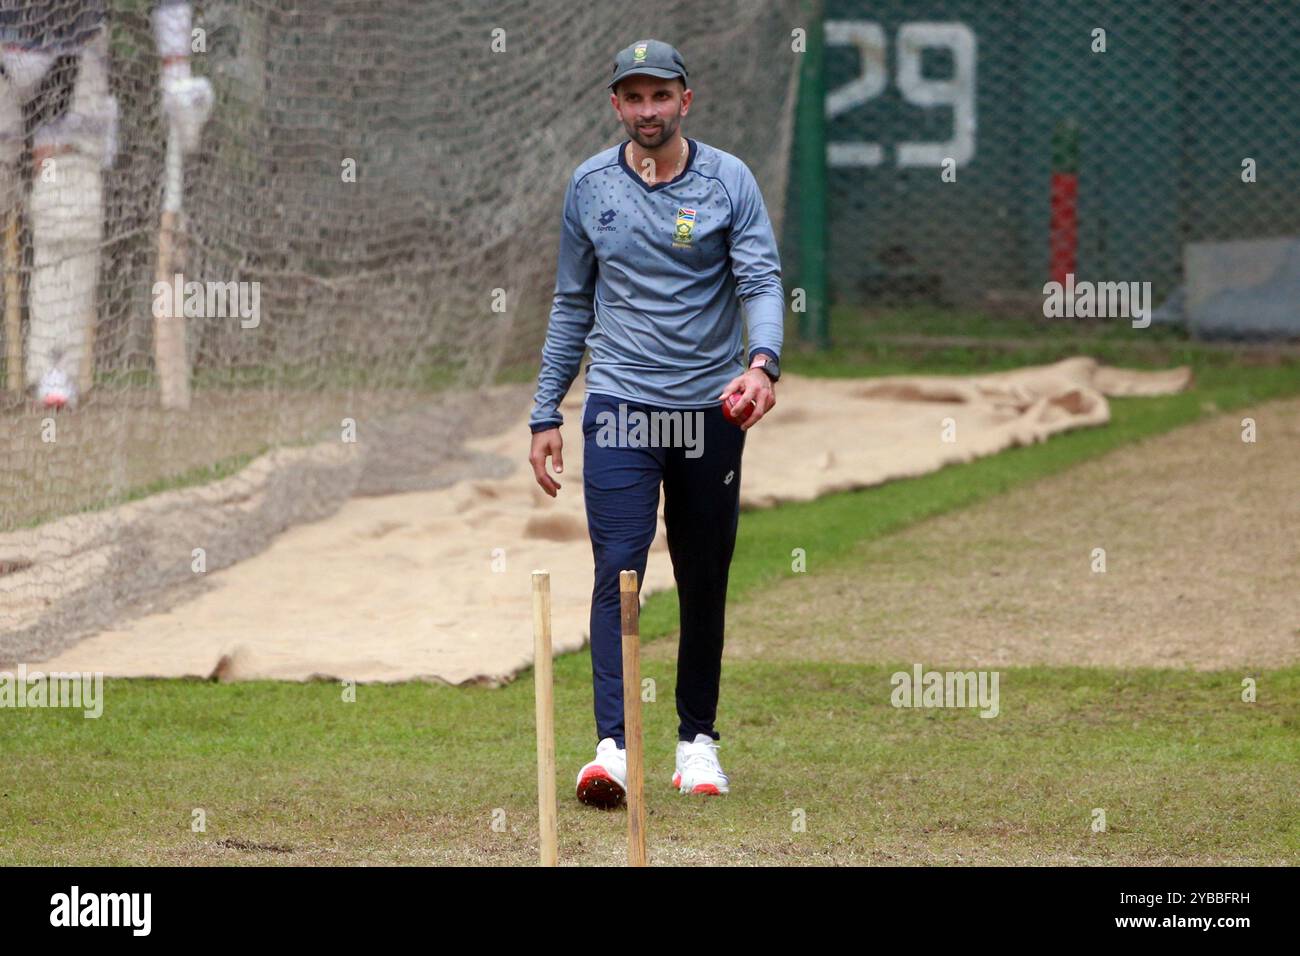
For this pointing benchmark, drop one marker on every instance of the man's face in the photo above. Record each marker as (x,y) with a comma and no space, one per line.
(651,108)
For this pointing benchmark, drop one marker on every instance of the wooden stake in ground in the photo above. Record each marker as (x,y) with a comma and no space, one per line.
(170,358)
(13,305)
(544,695)
(630,601)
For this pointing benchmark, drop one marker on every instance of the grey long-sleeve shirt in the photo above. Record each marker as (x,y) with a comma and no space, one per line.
(652,278)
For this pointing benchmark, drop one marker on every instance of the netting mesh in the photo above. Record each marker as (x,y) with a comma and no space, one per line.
(388,175)
(461,122)
(1154,117)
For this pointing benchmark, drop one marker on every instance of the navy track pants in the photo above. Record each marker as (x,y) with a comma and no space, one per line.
(700,472)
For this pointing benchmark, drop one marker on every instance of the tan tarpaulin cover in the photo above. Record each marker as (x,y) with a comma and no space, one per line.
(404,587)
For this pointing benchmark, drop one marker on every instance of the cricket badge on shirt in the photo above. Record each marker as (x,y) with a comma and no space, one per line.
(684,231)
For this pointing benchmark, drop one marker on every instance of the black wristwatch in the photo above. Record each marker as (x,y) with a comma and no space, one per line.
(771,367)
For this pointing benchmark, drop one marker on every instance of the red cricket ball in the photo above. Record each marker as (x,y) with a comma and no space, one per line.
(729,412)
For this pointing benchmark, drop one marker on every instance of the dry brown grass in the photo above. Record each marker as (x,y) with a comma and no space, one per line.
(1202,568)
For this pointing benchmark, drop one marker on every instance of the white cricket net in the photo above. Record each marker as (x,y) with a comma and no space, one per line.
(343,186)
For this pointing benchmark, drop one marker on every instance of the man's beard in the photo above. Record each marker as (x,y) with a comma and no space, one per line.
(665,133)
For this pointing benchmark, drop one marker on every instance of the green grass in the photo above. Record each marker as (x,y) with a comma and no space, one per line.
(415,773)
(923,339)
(829,527)
(850,324)
(1184,771)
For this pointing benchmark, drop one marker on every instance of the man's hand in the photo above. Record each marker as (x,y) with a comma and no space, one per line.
(754,386)
(550,443)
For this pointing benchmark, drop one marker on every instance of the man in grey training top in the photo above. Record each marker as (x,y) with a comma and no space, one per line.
(662,239)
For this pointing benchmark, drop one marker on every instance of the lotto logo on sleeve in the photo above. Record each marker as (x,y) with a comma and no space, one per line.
(684,231)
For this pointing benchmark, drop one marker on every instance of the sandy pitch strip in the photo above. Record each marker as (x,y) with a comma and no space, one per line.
(404,587)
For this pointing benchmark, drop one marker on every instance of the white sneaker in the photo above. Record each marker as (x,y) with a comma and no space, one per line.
(698,770)
(603,782)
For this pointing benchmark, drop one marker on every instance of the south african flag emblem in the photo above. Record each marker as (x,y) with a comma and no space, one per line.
(683,231)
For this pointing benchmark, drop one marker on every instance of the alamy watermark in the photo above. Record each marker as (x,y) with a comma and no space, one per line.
(74,689)
(678,428)
(75,908)
(922,688)
(209,300)
(1098,300)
